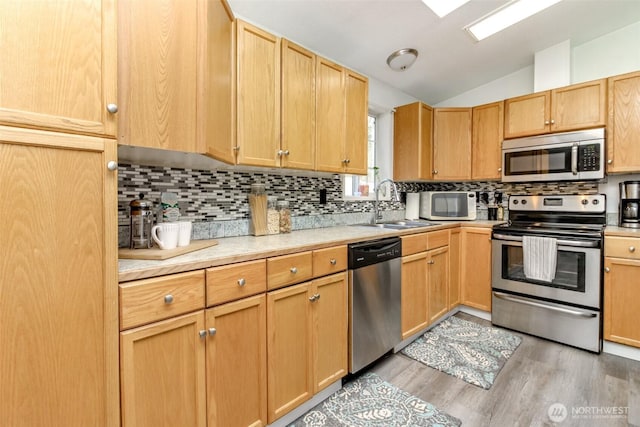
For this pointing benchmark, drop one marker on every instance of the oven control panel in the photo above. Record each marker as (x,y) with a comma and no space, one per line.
(595,203)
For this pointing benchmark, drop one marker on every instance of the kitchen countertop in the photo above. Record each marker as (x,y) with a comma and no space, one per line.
(246,248)
(612,230)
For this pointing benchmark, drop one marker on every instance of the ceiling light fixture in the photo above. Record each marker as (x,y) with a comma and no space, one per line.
(505,16)
(402,59)
(444,7)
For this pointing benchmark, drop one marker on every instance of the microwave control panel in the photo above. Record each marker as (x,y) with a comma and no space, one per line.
(589,157)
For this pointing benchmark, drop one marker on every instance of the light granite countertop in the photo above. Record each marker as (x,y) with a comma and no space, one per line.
(246,248)
(612,230)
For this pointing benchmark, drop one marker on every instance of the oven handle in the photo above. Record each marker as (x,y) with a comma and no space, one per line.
(561,242)
(527,301)
(574,159)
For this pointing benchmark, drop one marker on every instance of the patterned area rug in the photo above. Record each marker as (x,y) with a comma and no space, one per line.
(466,350)
(368,401)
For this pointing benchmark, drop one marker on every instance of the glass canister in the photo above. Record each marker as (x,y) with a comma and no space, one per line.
(273,216)
(285,216)
(140,222)
(258,210)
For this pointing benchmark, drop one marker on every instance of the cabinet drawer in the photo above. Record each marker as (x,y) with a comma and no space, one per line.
(414,244)
(235,281)
(329,261)
(622,247)
(287,269)
(145,301)
(438,239)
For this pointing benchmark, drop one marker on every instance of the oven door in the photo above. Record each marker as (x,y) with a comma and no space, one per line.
(577,280)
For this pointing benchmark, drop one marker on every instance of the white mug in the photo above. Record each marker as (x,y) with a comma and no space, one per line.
(166,234)
(184,235)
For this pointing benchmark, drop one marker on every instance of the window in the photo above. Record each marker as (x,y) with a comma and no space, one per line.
(360,186)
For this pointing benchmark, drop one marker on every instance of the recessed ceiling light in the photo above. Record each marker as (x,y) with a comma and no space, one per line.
(505,16)
(444,7)
(402,59)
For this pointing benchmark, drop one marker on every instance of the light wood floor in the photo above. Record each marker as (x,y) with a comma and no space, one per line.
(539,374)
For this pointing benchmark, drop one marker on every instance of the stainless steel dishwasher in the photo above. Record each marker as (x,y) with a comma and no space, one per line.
(374,300)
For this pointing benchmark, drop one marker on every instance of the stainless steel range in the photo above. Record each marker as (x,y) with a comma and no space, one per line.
(547,268)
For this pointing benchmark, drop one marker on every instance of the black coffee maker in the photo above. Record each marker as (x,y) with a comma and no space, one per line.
(629,202)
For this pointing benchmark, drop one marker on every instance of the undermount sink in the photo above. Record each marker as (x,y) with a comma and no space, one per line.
(401,225)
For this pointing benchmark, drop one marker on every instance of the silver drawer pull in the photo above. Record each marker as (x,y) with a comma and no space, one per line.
(632,248)
(314,297)
(606,269)
(202,333)
(168,299)
(431,261)
(294,270)
(212,331)
(333,261)
(242,282)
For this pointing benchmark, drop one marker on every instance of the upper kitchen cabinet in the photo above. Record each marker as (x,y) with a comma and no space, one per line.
(157,73)
(258,98)
(297,147)
(58,65)
(452,143)
(578,106)
(623,128)
(412,142)
(486,141)
(341,113)
(216,98)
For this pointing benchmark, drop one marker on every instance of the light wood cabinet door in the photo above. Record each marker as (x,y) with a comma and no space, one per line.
(163,373)
(289,349)
(438,281)
(623,127)
(258,98)
(237,363)
(451,143)
(621,304)
(455,295)
(356,132)
(216,96)
(412,142)
(414,294)
(58,65)
(486,144)
(330,116)
(298,107)
(476,268)
(527,115)
(157,72)
(58,279)
(330,330)
(579,106)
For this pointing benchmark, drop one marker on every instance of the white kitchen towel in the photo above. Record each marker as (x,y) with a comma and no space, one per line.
(539,258)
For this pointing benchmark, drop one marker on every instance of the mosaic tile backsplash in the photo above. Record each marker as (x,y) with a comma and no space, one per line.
(216,201)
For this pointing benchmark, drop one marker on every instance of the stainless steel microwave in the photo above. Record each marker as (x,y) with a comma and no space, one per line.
(448,205)
(568,156)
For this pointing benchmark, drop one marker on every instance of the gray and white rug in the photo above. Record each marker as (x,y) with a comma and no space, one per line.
(466,350)
(368,401)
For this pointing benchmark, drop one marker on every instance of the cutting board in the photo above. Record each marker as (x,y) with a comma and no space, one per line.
(160,254)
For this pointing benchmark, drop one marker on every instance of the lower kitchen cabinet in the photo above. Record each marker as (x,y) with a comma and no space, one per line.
(455,295)
(621,288)
(58,277)
(476,268)
(414,308)
(163,374)
(237,363)
(438,280)
(306,341)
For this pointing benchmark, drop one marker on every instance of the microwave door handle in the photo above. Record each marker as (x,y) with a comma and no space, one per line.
(574,159)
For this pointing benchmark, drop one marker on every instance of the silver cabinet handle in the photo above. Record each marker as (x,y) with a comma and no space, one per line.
(212,331)
(280,153)
(431,261)
(546,122)
(314,297)
(286,152)
(294,270)
(553,122)
(202,333)
(112,165)
(333,261)
(112,108)
(499,169)
(168,299)
(609,161)
(242,282)
(607,269)
(435,172)
(632,248)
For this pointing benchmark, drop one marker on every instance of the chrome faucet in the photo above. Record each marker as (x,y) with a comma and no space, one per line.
(376,209)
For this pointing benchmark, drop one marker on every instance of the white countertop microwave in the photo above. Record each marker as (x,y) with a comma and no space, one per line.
(448,205)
